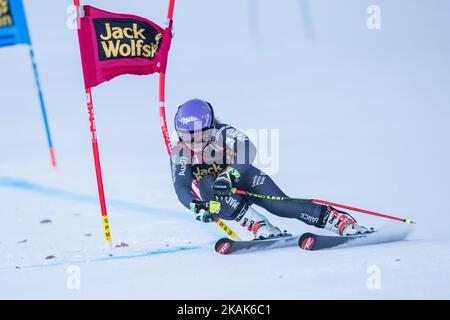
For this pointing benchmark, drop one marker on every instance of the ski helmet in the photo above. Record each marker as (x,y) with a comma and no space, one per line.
(194,115)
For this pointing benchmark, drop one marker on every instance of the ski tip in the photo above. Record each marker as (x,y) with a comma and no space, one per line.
(408,221)
(223,246)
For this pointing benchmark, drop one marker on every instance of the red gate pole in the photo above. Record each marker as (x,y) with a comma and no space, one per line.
(98,169)
(162,113)
(162,86)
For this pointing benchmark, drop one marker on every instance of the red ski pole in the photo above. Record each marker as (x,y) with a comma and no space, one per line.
(373,213)
(342,206)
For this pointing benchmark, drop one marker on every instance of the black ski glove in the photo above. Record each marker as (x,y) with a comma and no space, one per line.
(223,185)
(205,211)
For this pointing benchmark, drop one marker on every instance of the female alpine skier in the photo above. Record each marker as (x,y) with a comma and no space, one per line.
(218,157)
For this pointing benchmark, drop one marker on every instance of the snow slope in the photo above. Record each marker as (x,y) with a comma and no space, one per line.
(363,119)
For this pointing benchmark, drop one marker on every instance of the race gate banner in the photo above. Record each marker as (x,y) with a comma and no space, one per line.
(115,44)
(13,24)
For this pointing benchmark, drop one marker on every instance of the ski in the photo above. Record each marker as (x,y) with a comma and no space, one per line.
(228,246)
(312,242)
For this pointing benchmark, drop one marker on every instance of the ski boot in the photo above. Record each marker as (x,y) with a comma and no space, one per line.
(342,223)
(259,225)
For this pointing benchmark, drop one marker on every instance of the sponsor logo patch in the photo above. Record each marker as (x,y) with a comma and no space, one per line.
(307,217)
(187,120)
(183,163)
(236,134)
(308,243)
(224,248)
(126,38)
(258,180)
(213,170)
(232,202)
(6,19)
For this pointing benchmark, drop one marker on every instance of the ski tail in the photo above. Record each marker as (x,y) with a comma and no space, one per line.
(228,246)
(312,242)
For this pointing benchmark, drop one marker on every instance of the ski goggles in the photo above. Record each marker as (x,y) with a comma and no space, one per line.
(195,137)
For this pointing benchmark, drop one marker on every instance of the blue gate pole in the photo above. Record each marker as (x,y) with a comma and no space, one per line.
(43,109)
